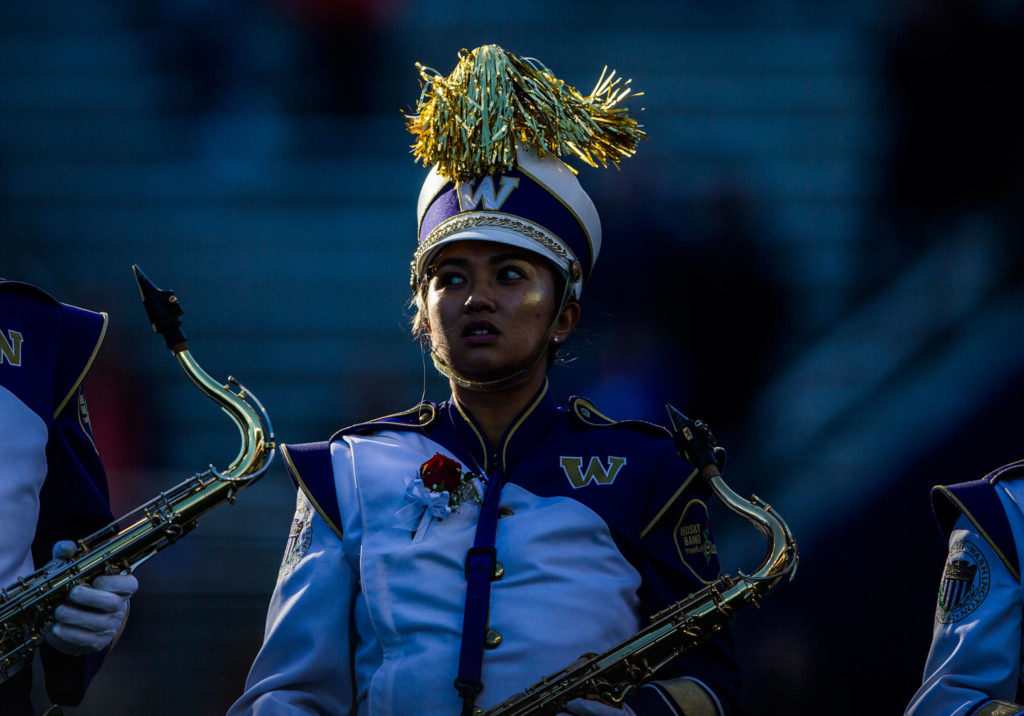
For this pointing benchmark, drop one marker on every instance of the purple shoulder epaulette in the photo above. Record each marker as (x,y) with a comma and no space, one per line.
(421,417)
(979,502)
(584,414)
(51,344)
(309,465)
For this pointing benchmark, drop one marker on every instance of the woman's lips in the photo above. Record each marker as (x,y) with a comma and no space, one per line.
(480,333)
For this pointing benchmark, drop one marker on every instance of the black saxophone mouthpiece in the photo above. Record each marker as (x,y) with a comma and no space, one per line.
(693,439)
(163,310)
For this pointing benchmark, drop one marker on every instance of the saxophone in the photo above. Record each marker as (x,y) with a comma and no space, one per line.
(27,605)
(611,676)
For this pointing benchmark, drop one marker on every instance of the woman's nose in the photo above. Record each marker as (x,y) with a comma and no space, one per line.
(479,299)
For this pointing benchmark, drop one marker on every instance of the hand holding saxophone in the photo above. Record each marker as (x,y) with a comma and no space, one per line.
(93,614)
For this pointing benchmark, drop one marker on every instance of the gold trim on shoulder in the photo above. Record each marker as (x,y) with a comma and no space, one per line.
(585,411)
(1000,474)
(1014,571)
(88,365)
(309,494)
(427,415)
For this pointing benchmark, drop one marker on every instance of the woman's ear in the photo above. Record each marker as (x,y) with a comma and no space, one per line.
(566,322)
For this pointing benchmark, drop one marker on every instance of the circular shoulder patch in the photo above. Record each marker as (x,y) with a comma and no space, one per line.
(965,582)
(299,536)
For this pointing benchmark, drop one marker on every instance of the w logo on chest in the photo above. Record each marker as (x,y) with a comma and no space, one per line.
(596,470)
(10,348)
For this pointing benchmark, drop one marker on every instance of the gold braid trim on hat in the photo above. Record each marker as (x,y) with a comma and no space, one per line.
(466,221)
(469,122)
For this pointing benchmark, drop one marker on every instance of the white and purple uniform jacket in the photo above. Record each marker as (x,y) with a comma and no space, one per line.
(601,525)
(52,483)
(975,658)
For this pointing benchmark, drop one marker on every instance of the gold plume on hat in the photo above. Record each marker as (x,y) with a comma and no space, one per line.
(469,122)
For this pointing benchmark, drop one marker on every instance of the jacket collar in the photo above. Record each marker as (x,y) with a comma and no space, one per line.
(521,435)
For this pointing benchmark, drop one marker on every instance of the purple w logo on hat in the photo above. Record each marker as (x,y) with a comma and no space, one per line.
(470,198)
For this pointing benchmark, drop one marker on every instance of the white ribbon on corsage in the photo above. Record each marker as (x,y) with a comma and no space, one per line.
(424,506)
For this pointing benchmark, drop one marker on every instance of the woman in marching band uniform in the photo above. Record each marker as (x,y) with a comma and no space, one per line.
(53,488)
(976,660)
(444,558)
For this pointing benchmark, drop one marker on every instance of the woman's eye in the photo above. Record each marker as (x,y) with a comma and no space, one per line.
(510,273)
(450,279)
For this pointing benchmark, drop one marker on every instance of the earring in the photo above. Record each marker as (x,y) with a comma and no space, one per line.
(557,339)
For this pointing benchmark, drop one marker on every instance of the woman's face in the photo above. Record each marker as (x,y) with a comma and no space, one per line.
(489,307)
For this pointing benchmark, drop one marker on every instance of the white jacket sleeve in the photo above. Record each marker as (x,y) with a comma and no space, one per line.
(305,664)
(976,642)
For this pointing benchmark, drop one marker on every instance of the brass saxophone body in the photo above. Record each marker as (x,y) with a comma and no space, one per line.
(27,605)
(611,676)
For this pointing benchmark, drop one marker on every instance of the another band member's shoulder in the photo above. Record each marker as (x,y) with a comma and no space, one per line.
(980,503)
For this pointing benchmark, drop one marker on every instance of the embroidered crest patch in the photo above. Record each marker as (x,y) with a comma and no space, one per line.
(299,536)
(965,583)
(694,543)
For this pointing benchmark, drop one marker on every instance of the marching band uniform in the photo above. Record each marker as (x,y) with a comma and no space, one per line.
(562,538)
(975,662)
(602,525)
(52,483)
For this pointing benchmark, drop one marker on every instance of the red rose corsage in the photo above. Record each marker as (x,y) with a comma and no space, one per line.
(441,473)
(441,487)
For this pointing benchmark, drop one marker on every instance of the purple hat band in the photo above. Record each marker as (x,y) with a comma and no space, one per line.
(515,194)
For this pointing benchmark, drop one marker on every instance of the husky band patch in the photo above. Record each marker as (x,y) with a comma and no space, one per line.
(694,542)
(965,583)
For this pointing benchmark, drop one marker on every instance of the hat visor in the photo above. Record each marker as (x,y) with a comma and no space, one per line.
(497,235)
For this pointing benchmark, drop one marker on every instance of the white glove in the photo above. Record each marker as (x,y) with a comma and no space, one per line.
(586,707)
(94,614)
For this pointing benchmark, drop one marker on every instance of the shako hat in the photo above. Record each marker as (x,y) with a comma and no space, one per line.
(494,131)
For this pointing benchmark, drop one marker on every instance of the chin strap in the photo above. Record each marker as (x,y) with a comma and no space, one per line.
(490,386)
(516,376)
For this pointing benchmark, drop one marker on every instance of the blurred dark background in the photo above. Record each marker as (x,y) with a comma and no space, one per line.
(818,251)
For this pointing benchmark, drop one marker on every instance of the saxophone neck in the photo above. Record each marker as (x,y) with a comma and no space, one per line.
(696,444)
(257,449)
(781,555)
